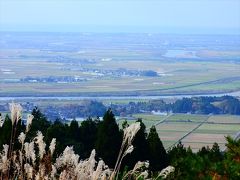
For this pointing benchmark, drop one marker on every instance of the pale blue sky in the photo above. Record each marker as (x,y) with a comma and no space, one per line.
(168,16)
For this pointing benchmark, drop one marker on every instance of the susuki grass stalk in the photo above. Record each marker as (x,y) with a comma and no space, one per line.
(165,172)
(1,120)
(16,113)
(23,164)
(138,167)
(128,136)
(29,121)
(15,159)
(21,139)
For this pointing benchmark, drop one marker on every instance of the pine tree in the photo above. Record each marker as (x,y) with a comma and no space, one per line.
(39,123)
(73,130)
(157,155)
(59,131)
(5,132)
(108,140)
(88,135)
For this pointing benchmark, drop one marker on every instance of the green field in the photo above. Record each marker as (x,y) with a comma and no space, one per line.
(207,77)
(224,118)
(150,117)
(192,130)
(219,128)
(111,64)
(187,118)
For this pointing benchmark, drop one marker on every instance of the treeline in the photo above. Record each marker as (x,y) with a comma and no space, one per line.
(106,137)
(103,136)
(86,108)
(208,105)
(195,105)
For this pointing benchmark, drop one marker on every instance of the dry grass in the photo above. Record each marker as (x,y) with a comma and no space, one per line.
(32,161)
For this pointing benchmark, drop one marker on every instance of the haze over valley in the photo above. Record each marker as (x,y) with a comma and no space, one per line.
(119,89)
(90,64)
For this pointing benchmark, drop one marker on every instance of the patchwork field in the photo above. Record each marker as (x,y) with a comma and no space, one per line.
(79,64)
(192,130)
(175,78)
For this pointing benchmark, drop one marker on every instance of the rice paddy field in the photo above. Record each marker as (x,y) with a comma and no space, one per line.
(189,65)
(192,130)
(175,78)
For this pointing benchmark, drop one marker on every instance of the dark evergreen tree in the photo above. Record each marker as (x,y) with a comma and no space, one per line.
(157,154)
(204,151)
(39,123)
(7,129)
(108,140)
(88,134)
(5,132)
(187,164)
(215,153)
(60,131)
(73,130)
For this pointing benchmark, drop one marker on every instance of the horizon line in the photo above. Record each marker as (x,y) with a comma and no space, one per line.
(121,32)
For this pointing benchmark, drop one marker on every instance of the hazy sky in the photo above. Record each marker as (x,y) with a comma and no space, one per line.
(169,16)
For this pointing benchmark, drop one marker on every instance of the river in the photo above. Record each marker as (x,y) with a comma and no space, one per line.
(237,93)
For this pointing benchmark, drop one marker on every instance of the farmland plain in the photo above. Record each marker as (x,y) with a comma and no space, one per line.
(127,65)
(192,130)
(55,64)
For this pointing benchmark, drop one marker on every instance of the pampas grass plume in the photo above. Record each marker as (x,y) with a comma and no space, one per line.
(29,121)
(1,120)
(41,144)
(16,112)
(21,138)
(4,162)
(52,146)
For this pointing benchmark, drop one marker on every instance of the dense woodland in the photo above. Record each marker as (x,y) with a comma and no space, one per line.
(106,137)
(91,108)
(195,105)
